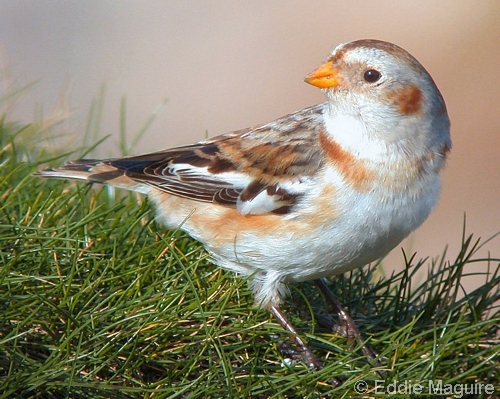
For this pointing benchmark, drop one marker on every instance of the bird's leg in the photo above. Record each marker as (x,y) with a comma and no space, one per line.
(347,324)
(306,355)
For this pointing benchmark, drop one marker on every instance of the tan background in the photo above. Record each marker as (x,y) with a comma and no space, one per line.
(228,64)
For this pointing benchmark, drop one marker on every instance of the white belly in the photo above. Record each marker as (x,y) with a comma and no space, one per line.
(330,234)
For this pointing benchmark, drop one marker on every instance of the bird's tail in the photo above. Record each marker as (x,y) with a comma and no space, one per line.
(95,171)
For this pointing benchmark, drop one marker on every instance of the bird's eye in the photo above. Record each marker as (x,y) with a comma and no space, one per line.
(371,76)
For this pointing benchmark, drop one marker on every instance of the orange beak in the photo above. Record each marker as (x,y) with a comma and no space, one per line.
(323,77)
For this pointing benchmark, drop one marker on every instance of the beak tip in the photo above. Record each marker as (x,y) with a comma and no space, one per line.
(323,77)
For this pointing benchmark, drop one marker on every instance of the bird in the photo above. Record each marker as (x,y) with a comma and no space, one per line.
(313,194)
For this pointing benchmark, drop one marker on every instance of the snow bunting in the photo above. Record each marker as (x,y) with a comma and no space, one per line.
(316,193)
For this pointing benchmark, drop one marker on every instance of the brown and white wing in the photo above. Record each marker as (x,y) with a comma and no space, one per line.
(259,170)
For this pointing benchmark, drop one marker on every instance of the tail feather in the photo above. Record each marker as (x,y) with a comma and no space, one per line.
(94,171)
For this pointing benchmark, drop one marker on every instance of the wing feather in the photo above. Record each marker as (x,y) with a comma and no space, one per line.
(259,170)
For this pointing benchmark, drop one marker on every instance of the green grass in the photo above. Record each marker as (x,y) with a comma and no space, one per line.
(98,301)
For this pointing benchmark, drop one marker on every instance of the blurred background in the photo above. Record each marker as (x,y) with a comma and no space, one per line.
(224,65)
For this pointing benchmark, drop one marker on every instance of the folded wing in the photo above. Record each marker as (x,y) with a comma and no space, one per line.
(259,170)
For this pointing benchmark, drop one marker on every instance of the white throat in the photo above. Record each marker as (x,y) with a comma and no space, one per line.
(352,135)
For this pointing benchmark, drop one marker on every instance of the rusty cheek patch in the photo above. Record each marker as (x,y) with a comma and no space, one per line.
(408,99)
(352,169)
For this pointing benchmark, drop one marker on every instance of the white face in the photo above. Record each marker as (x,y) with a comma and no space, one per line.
(383,94)
(374,75)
